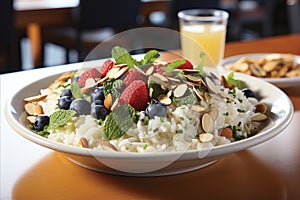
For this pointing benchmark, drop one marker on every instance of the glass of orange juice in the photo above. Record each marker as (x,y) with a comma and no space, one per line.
(203,35)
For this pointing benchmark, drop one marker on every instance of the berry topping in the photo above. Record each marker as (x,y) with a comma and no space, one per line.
(136,94)
(99,111)
(81,106)
(156,109)
(132,76)
(108,64)
(186,65)
(248,93)
(64,102)
(98,94)
(40,122)
(91,73)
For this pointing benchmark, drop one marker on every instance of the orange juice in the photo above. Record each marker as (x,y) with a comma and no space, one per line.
(206,38)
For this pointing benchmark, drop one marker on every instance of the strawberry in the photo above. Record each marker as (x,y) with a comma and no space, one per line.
(158,68)
(90,73)
(136,94)
(107,65)
(186,65)
(132,76)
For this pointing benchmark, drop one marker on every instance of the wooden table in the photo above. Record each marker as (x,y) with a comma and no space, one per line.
(267,171)
(32,14)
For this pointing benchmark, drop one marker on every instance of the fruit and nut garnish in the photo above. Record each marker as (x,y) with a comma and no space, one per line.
(144,105)
(268,66)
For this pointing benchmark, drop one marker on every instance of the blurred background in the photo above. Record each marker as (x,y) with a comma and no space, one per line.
(44,33)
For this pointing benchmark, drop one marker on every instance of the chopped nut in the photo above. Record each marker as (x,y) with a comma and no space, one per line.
(108,146)
(206,137)
(35,98)
(226,132)
(83,142)
(38,109)
(108,101)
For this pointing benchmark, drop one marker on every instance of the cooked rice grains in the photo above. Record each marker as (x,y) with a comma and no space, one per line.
(178,131)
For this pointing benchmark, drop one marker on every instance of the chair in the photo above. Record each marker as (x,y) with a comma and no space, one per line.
(95,21)
(177,5)
(293,11)
(258,12)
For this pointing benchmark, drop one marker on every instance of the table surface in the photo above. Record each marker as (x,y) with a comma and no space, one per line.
(267,171)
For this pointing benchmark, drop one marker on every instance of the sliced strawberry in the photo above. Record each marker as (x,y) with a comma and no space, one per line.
(133,75)
(186,65)
(136,94)
(107,65)
(90,73)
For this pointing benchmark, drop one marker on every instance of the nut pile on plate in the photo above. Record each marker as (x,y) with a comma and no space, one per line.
(269,66)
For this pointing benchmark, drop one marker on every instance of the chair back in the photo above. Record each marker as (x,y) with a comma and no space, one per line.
(293,11)
(118,14)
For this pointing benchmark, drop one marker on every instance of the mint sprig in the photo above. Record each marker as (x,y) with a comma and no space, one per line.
(59,118)
(122,56)
(231,80)
(118,122)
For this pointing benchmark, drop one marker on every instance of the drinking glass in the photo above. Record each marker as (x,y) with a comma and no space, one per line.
(203,35)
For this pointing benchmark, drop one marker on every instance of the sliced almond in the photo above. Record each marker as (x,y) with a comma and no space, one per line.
(161,77)
(30,108)
(214,113)
(31,119)
(180,90)
(257,70)
(83,142)
(261,108)
(38,109)
(35,98)
(207,123)
(211,85)
(120,66)
(206,137)
(164,99)
(194,79)
(150,70)
(190,71)
(139,70)
(121,72)
(270,66)
(111,73)
(259,117)
(108,101)
(106,145)
(89,82)
(65,76)
(226,132)
(198,108)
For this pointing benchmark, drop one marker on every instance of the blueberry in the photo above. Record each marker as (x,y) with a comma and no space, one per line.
(248,93)
(97,102)
(67,92)
(81,106)
(156,109)
(99,112)
(65,102)
(98,94)
(40,122)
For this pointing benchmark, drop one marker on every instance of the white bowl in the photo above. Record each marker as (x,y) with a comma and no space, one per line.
(279,82)
(153,164)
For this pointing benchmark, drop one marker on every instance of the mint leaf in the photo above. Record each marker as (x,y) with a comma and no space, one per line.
(201,64)
(122,56)
(150,57)
(60,118)
(176,63)
(187,99)
(76,90)
(113,86)
(118,122)
(233,81)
